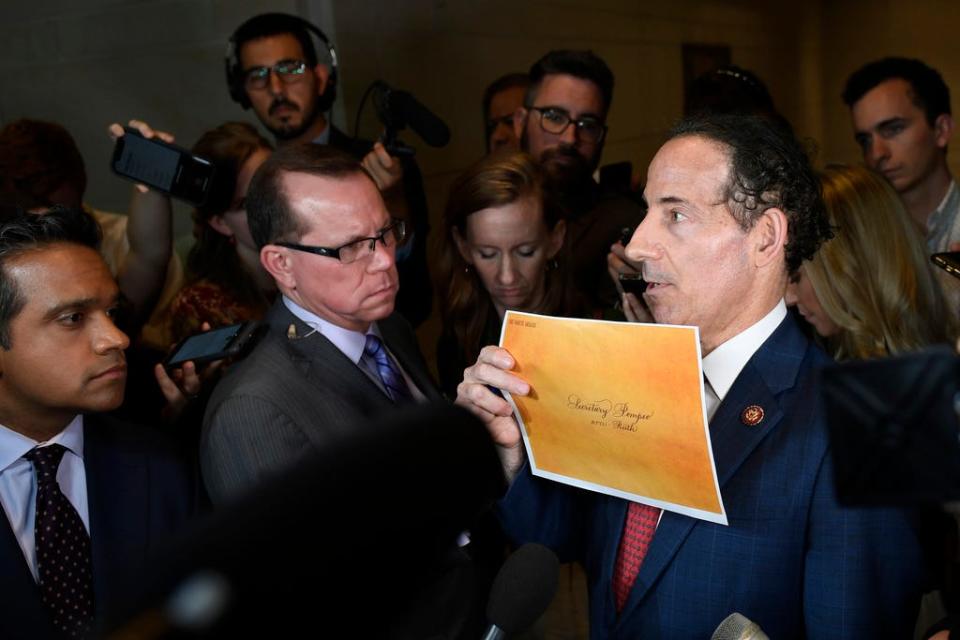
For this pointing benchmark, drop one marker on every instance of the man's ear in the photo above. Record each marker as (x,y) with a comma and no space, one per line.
(555,240)
(462,246)
(218,224)
(770,237)
(278,263)
(942,130)
(519,122)
(322,73)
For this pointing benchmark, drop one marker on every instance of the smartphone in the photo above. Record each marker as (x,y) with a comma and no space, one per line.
(633,283)
(949,261)
(164,167)
(216,344)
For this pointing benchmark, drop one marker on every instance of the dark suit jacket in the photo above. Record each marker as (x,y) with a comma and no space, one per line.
(416,288)
(293,396)
(791,558)
(138,492)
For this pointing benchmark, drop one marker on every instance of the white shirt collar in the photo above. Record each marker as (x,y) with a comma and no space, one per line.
(350,343)
(14,445)
(722,365)
(946,197)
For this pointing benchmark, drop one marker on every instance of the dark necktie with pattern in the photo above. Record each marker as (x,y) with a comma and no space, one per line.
(63,549)
(389,374)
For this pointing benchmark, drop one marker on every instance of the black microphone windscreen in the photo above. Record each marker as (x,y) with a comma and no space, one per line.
(428,126)
(523,588)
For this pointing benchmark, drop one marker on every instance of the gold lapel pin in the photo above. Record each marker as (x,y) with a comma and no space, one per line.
(752,415)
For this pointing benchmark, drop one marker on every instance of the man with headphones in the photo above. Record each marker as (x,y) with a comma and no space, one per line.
(273,67)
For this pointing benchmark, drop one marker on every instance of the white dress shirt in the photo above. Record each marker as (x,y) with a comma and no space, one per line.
(18,482)
(722,365)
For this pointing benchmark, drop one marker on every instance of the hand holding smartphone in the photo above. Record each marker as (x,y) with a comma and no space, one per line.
(217,344)
(162,166)
(630,282)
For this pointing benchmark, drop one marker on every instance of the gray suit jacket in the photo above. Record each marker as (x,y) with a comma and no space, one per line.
(291,397)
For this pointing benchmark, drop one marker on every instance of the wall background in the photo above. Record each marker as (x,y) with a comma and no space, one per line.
(88,64)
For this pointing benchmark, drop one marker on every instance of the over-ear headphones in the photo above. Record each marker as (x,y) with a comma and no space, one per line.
(269,24)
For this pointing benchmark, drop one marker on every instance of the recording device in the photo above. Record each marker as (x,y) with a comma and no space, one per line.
(162,166)
(274,23)
(522,591)
(397,110)
(630,282)
(371,516)
(216,344)
(949,261)
(736,626)
(894,429)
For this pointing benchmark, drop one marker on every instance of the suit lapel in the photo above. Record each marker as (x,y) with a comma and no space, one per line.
(21,595)
(117,490)
(318,359)
(772,369)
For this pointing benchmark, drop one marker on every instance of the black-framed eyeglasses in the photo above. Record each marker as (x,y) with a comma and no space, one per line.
(357,249)
(555,120)
(289,71)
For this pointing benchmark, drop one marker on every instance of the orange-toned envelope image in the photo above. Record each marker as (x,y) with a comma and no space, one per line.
(616,407)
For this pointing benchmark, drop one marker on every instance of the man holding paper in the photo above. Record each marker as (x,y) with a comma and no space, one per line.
(733,209)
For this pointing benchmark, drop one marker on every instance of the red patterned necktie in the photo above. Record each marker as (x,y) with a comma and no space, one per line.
(63,549)
(638,530)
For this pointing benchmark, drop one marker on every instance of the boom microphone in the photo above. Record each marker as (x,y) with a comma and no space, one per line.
(736,626)
(521,591)
(398,109)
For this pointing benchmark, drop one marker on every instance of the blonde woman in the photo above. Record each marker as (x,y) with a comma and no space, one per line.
(870,291)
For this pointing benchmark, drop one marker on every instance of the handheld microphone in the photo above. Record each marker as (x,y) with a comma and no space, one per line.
(522,590)
(398,109)
(736,626)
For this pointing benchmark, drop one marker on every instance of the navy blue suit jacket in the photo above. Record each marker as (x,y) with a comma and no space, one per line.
(791,559)
(138,493)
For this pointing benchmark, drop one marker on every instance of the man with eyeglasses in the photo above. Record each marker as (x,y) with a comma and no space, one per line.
(335,354)
(564,125)
(277,72)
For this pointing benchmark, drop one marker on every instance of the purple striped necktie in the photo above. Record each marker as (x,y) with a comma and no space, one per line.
(390,375)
